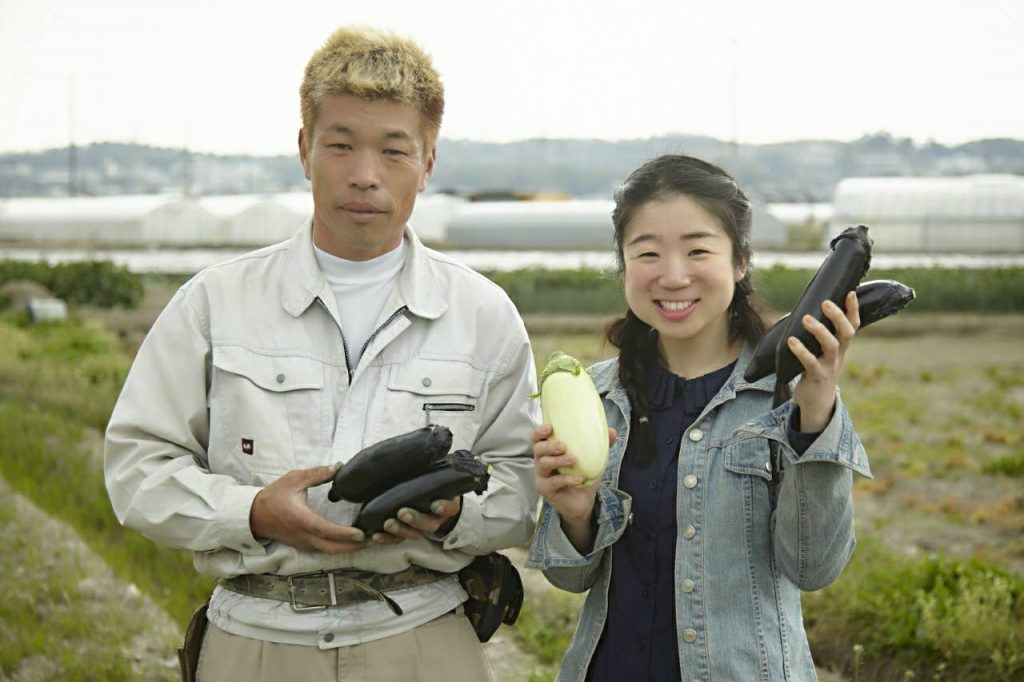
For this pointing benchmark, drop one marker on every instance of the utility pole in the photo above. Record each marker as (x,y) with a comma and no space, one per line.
(186,161)
(734,96)
(72,148)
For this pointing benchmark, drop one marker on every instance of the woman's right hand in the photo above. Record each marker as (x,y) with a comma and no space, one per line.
(575,505)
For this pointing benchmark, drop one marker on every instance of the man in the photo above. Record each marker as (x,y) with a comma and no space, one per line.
(265,371)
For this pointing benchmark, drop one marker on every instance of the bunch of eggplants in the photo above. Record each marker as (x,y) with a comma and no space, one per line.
(848,260)
(409,470)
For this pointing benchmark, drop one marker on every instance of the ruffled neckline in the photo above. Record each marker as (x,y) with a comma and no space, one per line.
(665,388)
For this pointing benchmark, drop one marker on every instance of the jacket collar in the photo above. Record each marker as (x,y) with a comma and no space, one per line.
(420,288)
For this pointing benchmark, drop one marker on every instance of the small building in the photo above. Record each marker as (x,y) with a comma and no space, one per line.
(972,214)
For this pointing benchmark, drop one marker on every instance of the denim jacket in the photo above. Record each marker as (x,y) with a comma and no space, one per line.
(753,533)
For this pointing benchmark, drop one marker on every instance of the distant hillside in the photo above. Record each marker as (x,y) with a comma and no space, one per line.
(800,171)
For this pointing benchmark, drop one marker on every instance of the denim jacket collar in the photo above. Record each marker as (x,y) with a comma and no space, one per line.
(419,286)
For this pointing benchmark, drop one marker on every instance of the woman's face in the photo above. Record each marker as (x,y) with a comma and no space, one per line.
(679,273)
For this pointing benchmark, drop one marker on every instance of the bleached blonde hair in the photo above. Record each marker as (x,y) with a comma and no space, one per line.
(373,64)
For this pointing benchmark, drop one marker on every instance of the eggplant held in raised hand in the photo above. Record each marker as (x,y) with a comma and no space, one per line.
(845,265)
(383,465)
(876,299)
(462,473)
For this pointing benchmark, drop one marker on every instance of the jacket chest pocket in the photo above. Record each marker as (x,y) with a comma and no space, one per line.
(445,392)
(266,413)
(749,474)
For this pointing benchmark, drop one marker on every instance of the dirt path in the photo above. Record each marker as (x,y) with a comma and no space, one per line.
(44,557)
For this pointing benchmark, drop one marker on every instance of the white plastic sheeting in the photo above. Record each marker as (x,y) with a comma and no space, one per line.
(149,221)
(254,220)
(973,214)
(577,224)
(532,224)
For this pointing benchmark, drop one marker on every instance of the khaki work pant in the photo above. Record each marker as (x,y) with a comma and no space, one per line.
(446,649)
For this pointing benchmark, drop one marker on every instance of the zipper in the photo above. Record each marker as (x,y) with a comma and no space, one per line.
(378,330)
(395,315)
(344,346)
(448,407)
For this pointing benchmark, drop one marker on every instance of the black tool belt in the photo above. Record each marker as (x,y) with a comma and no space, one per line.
(495,593)
(307,591)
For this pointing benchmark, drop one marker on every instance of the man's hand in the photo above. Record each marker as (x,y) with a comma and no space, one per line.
(280,512)
(413,525)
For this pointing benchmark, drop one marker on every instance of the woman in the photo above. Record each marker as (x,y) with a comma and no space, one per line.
(715,510)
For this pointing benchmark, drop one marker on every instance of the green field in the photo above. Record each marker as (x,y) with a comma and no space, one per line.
(935,588)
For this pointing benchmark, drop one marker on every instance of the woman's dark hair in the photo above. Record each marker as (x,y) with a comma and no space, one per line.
(717,192)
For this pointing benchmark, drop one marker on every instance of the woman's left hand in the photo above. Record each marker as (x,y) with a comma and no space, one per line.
(815,394)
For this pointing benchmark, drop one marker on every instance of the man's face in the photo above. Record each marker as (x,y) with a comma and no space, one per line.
(366,160)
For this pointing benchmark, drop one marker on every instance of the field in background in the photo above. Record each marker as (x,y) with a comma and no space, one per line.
(938,401)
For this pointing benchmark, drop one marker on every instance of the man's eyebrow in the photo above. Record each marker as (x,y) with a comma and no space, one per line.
(390,135)
(399,135)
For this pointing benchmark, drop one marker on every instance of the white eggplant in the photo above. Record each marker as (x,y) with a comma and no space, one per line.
(571,405)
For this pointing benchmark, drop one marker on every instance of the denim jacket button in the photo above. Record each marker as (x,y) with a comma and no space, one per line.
(690,481)
(689,532)
(687,586)
(690,635)
(696,435)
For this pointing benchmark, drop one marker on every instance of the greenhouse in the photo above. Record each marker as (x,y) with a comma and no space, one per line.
(150,221)
(575,224)
(973,214)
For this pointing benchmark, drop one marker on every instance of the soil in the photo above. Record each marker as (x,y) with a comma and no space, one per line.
(98,592)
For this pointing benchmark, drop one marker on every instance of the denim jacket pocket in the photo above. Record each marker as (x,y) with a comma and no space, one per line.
(431,391)
(750,456)
(266,413)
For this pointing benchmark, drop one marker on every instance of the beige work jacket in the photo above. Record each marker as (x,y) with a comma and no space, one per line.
(245,376)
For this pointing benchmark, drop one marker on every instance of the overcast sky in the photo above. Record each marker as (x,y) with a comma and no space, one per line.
(222,75)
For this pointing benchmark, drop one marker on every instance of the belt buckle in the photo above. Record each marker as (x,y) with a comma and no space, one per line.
(305,607)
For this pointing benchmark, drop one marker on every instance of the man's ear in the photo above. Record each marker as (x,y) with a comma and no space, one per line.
(428,168)
(303,153)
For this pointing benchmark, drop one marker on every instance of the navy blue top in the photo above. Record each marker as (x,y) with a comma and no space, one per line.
(639,641)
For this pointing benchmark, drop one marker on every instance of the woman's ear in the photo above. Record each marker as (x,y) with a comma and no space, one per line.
(740,271)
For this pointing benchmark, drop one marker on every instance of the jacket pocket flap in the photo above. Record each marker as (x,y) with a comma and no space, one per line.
(436,377)
(269,372)
(750,456)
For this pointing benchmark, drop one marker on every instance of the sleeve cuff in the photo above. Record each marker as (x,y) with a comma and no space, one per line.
(467,531)
(552,547)
(237,533)
(799,440)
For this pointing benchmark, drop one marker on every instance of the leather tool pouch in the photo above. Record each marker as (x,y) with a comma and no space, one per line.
(188,654)
(495,593)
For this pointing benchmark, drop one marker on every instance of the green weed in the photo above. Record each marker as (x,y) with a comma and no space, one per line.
(966,616)
(1010,465)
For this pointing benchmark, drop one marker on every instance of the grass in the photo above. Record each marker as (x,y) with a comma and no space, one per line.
(52,624)
(59,383)
(545,627)
(937,617)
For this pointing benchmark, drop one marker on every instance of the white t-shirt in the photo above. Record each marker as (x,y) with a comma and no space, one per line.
(361,288)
